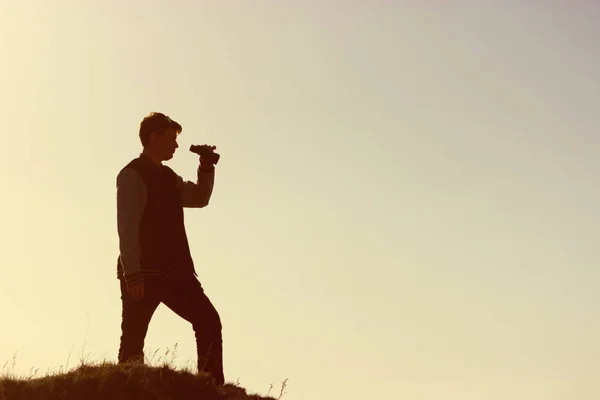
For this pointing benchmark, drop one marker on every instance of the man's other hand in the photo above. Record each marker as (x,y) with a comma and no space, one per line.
(136,291)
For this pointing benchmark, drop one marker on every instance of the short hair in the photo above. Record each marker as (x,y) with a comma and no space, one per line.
(156,122)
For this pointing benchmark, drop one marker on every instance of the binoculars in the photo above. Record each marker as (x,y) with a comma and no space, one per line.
(206,153)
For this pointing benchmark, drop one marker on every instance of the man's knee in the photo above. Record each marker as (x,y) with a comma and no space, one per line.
(133,329)
(217,320)
(208,322)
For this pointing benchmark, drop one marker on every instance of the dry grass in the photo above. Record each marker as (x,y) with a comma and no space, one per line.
(106,380)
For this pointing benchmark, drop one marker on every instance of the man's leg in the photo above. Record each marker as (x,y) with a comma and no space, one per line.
(136,316)
(186,297)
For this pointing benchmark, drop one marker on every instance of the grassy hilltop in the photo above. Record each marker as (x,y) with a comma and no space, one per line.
(109,381)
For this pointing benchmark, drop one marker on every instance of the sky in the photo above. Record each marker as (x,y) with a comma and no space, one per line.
(406,205)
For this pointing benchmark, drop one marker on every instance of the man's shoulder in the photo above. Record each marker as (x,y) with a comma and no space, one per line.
(128,176)
(136,164)
(141,165)
(130,172)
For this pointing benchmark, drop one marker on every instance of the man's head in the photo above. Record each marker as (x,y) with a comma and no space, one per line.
(158,134)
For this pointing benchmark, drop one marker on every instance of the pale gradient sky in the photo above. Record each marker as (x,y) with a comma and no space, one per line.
(406,205)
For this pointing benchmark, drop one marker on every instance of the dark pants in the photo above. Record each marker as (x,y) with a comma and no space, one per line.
(185,296)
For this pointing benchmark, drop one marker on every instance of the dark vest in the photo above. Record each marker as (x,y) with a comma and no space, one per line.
(163,240)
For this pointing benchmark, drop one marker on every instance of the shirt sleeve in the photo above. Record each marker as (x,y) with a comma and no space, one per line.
(131,200)
(197,195)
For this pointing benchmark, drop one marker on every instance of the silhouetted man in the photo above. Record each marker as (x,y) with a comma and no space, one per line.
(155,264)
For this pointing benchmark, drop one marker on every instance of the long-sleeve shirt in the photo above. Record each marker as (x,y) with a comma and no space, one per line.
(131,200)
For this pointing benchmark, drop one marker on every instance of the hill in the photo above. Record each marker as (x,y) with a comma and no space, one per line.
(121,382)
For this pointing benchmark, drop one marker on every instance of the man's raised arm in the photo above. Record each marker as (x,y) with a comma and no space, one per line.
(197,195)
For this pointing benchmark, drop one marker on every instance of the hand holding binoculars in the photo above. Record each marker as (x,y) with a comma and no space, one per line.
(206,152)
